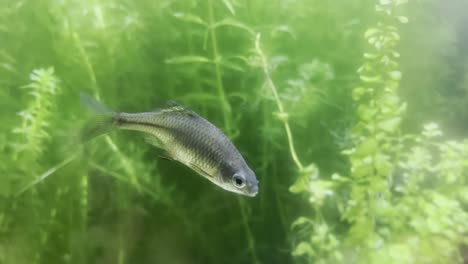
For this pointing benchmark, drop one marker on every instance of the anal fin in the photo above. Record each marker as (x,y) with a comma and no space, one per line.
(165,157)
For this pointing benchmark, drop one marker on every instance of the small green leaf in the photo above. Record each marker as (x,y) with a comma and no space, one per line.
(369,79)
(395,75)
(338,256)
(367,147)
(283,117)
(402,19)
(234,23)
(339,178)
(431,130)
(358,92)
(300,185)
(401,2)
(305,176)
(371,55)
(382,165)
(390,125)
(393,36)
(348,151)
(189,18)
(231,66)
(301,221)
(370,32)
(366,113)
(433,225)
(385,2)
(463,194)
(229,7)
(188,59)
(303,248)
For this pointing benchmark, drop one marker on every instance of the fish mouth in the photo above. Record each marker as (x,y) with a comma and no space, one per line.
(253,191)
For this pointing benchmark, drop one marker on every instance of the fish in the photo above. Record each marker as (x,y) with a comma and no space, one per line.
(184,136)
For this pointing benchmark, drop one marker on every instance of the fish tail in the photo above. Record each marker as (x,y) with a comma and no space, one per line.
(102,121)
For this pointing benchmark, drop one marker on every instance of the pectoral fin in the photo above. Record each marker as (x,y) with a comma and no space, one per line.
(152,140)
(200,171)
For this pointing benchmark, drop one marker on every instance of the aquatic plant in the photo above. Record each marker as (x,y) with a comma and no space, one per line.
(397,199)
(35,118)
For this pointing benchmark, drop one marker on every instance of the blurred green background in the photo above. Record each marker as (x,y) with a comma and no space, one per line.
(375,94)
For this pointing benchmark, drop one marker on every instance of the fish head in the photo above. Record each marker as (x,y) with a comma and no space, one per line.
(240,179)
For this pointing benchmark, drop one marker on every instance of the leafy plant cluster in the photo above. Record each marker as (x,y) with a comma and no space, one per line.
(404,197)
(279,77)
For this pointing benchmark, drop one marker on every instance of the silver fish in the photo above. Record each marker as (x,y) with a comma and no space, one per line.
(186,137)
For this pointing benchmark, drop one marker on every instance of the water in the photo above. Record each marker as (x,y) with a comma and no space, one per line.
(351,113)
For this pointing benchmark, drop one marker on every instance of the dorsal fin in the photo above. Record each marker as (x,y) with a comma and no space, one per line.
(171,103)
(174,107)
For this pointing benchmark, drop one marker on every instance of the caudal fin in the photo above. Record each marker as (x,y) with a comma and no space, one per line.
(101,122)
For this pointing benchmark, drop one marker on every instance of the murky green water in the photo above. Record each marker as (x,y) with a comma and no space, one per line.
(353,115)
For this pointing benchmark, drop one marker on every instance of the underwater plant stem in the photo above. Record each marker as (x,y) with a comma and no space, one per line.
(121,251)
(219,81)
(89,68)
(283,116)
(227,117)
(49,172)
(84,202)
(125,162)
(250,239)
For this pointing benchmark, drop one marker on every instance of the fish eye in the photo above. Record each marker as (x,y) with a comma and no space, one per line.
(238,181)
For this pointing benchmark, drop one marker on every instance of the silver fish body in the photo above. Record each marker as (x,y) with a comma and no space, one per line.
(187,138)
